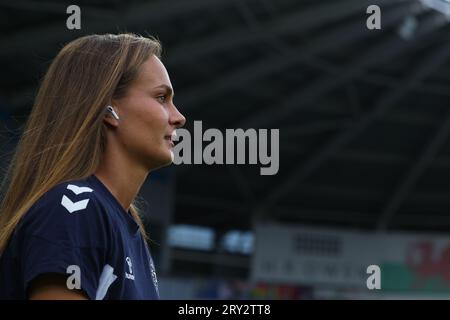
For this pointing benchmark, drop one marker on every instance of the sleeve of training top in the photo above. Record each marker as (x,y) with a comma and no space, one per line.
(68,233)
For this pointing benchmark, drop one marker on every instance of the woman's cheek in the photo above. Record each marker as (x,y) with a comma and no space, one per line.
(159,116)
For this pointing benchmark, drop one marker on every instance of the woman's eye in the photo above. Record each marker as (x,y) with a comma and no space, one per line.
(162,99)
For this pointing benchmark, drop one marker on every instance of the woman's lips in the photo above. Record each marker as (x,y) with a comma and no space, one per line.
(169,139)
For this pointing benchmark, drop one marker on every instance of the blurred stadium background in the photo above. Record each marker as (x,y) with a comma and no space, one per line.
(364,125)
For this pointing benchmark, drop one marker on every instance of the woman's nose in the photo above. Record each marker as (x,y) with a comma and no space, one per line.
(177,119)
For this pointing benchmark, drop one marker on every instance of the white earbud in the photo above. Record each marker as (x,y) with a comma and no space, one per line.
(111,110)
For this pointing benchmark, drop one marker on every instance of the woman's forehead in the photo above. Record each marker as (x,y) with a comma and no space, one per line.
(154,73)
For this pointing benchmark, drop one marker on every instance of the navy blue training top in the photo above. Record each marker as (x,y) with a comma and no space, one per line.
(80,230)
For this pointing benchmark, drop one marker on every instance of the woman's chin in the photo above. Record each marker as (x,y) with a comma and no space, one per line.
(167,159)
(163,159)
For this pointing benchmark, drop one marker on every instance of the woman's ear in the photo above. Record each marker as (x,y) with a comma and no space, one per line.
(111,110)
(111,116)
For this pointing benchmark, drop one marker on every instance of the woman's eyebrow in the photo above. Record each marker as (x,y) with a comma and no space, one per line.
(167,88)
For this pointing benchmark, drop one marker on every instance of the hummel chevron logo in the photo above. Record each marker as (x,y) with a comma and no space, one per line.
(77,190)
(74,206)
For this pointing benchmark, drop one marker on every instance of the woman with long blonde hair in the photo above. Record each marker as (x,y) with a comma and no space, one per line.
(103,119)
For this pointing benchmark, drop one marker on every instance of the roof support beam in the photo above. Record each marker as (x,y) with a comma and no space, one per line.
(410,180)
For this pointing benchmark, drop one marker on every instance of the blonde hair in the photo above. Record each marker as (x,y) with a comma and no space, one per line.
(64,137)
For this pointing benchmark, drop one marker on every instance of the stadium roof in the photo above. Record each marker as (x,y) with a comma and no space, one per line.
(363,114)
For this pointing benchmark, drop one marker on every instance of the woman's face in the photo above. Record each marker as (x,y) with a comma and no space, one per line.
(148,117)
